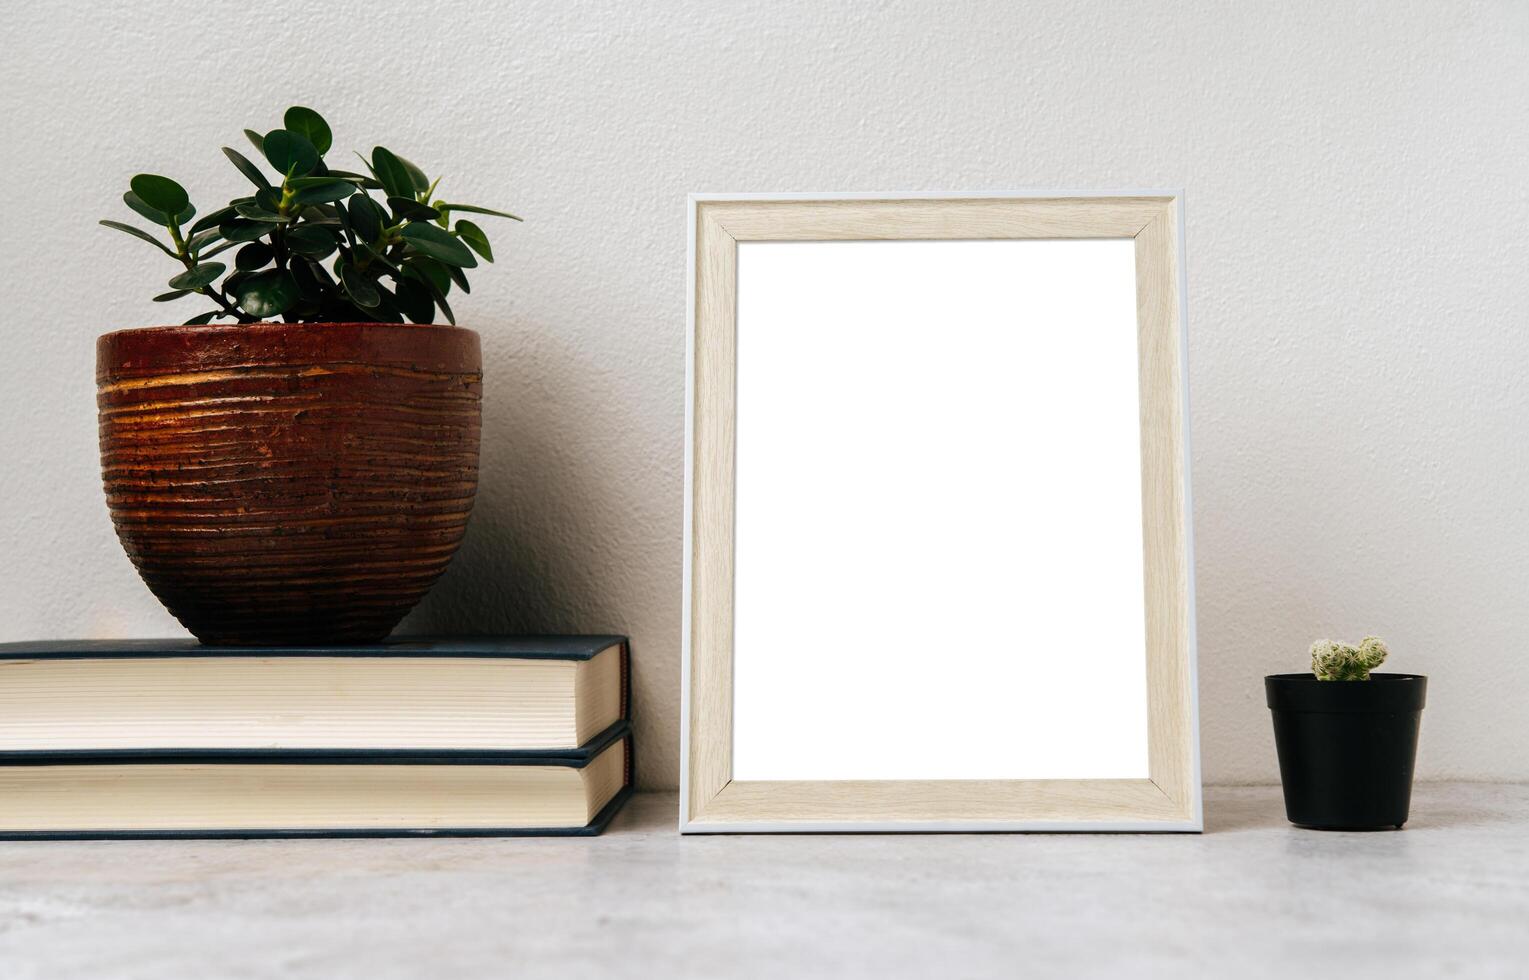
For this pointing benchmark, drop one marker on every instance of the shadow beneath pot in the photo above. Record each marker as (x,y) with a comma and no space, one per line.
(1232,808)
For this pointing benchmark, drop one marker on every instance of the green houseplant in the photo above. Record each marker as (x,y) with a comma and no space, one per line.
(296,463)
(1346,737)
(312,243)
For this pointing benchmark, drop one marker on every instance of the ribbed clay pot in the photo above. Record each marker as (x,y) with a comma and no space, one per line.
(290,483)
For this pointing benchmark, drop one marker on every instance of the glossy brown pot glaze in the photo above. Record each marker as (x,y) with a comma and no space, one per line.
(290,483)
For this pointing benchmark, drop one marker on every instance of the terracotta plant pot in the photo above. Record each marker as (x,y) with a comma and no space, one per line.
(290,483)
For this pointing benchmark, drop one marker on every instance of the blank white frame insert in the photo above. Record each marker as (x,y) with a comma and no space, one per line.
(927,604)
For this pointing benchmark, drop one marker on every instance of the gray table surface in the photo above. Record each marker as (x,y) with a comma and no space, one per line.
(1253,896)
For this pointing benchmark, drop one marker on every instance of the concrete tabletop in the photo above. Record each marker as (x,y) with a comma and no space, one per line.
(1251,897)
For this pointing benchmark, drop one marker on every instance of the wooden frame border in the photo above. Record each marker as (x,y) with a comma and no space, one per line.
(711,801)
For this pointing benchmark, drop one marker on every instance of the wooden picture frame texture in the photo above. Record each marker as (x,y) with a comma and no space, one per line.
(711,800)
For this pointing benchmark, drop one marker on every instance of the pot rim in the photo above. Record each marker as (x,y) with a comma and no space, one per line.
(1381,693)
(140,352)
(281,325)
(1377,676)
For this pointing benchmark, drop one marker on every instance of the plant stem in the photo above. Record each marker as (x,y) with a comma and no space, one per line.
(190,264)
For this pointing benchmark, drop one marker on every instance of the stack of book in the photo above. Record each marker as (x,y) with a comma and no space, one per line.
(483,736)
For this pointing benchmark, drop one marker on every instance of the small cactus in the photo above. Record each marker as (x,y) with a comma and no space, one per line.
(1340,662)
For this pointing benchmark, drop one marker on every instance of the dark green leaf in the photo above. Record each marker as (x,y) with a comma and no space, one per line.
(368,255)
(458,278)
(290,153)
(313,241)
(246,168)
(217,249)
(321,190)
(365,181)
(136,203)
(408,209)
(321,274)
(201,319)
(440,300)
(415,300)
(367,217)
(431,271)
(387,308)
(139,233)
(243,230)
(298,183)
(474,237)
(199,277)
(201,240)
(420,268)
(173,294)
(301,119)
(268,198)
(211,220)
(316,214)
(439,244)
(270,293)
(392,173)
(307,276)
(255,212)
(160,193)
(416,176)
(474,209)
(255,255)
(256,140)
(358,287)
(158,217)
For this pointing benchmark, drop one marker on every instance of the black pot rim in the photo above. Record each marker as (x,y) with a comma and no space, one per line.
(1381,693)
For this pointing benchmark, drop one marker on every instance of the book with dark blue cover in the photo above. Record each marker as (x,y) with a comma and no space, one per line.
(311,794)
(547,647)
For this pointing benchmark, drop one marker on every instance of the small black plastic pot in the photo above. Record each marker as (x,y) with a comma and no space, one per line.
(1346,748)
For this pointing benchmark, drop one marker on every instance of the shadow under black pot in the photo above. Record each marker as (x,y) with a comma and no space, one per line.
(1346,748)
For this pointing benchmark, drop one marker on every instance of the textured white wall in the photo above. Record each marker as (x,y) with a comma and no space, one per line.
(1358,284)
